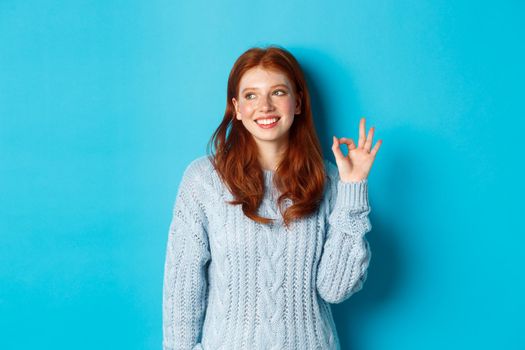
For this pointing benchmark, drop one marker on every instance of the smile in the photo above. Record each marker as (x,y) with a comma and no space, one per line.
(267,123)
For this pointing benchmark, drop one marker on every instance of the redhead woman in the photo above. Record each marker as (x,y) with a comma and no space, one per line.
(265,233)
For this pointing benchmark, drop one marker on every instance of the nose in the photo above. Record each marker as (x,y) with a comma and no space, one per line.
(266,104)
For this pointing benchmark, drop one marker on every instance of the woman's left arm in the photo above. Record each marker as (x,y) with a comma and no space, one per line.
(343,266)
(342,269)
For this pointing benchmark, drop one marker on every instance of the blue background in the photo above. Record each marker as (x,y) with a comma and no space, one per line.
(104,103)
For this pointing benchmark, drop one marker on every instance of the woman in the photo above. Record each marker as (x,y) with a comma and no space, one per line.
(265,232)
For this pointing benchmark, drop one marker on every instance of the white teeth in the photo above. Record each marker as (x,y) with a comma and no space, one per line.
(266,121)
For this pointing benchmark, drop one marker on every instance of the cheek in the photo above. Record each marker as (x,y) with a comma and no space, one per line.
(246,108)
(288,105)
(289,121)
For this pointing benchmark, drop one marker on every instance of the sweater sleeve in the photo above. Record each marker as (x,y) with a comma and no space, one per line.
(185,268)
(343,265)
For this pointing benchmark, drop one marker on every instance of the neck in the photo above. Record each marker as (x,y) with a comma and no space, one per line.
(271,153)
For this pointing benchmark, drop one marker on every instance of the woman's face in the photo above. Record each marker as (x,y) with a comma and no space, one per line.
(266,96)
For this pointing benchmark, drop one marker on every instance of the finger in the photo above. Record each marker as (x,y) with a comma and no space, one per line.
(362,139)
(376,148)
(337,151)
(368,143)
(349,142)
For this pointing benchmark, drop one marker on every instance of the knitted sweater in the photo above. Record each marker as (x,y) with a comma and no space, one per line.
(232,283)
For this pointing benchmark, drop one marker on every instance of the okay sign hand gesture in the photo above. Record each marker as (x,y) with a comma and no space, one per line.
(357,164)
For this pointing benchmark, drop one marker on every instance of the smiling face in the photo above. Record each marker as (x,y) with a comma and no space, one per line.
(266,96)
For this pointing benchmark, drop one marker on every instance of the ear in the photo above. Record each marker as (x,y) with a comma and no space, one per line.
(298,104)
(236,105)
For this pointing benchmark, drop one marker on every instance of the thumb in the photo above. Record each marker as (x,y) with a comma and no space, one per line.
(337,151)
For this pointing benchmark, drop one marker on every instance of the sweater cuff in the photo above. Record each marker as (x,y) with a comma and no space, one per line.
(352,195)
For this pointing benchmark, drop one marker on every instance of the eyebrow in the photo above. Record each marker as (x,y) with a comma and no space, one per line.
(251,88)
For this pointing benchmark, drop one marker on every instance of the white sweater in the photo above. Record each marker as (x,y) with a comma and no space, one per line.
(232,283)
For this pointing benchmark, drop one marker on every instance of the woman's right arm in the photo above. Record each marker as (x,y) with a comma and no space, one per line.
(185,278)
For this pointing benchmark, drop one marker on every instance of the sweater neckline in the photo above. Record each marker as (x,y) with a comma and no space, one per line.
(268,177)
(268,174)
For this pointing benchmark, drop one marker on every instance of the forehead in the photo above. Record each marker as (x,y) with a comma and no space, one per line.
(258,77)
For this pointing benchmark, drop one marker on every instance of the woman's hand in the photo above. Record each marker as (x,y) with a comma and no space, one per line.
(357,164)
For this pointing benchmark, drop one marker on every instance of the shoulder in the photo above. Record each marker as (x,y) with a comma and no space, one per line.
(199,168)
(200,176)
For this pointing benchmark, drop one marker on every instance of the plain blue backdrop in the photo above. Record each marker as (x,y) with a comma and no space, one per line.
(104,103)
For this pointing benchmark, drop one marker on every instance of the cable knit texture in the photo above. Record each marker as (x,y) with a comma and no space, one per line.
(232,283)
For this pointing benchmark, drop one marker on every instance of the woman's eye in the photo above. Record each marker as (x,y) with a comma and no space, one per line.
(277,92)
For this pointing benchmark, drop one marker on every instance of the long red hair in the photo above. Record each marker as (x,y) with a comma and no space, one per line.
(300,176)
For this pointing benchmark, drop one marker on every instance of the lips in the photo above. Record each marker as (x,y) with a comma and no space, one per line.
(272,122)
